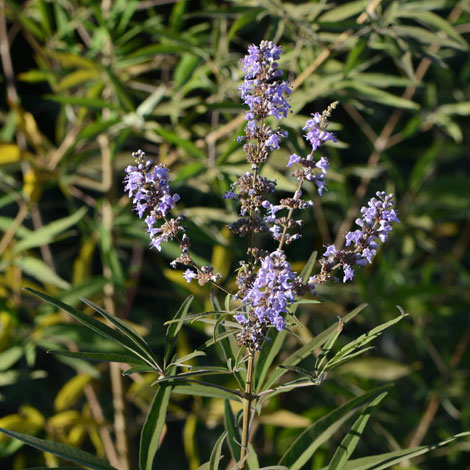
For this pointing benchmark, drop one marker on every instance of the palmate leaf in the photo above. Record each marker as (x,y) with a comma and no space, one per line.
(387,460)
(61,450)
(153,427)
(319,432)
(95,325)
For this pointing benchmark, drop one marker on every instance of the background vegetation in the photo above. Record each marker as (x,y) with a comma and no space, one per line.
(86,83)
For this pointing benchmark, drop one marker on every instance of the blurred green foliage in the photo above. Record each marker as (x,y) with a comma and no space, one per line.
(86,83)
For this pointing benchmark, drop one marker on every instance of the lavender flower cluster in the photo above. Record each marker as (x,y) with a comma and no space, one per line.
(375,224)
(266,283)
(317,135)
(274,288)
(264,95)
(150,191)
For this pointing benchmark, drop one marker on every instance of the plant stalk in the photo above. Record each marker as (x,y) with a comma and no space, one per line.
(247,409)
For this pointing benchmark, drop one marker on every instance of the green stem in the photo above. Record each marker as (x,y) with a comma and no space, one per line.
(247,409)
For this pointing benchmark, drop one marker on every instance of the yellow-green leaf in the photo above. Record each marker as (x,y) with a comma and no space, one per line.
(71,392)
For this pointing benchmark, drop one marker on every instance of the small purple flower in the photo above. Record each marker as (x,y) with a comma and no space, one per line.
(273,141)
(330,251)
(353,237)
(189,275)
(294,158)
(316,131)
(323,165)
(348,273)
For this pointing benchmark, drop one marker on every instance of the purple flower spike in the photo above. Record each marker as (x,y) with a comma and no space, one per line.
(267,299)
(150,191)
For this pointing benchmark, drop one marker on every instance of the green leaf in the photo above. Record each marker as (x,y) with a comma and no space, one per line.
(274,467)
(137,369)
(216,452)
(127,330)
(462,108)
(39,270)
(150,103)
(242,21)
(366,338)
(77,77)
(61,450)
(427,37)
(92,103)
(190,170)
(252,458)
(96,128)
(204,466)
(383,461)
(430,18)
(306,302)
(322,357)
(350,441)
(153,427)
(233,436)
(377,95)
(98,356)
(154,49)
(46,234)
(343,12)
(93,324)
(309,347)
(321,431)
(193,373)
(179,142)
(10,356)
(185,69)
(174,328)
(205,390)
(375,368)
(122,95)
